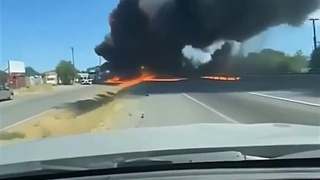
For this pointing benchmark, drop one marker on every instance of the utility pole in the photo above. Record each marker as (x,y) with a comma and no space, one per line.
(314,31)
(100,60)
(72,54)
(74,66)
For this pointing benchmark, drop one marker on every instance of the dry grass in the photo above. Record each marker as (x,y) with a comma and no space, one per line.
(84,116)
(34,89)
(11,135)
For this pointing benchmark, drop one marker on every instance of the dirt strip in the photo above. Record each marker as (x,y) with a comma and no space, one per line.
(83,116)
(43,88)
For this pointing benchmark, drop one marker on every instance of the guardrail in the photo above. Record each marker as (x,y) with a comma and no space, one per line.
(275,81)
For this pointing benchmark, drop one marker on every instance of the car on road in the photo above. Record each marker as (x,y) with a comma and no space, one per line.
(86,81)
(6,93)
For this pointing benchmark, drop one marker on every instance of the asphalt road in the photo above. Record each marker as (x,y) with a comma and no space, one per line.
(27,106)
(177,103)
(189,102)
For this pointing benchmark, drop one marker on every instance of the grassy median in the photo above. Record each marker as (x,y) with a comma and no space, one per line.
(83,116)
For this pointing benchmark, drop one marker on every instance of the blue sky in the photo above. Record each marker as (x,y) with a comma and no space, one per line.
(41,32)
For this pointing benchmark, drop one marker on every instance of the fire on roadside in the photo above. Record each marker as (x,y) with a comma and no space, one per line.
(129,82)
(145,77)
(221,78)
(152,77)
(113,80)
(164,79)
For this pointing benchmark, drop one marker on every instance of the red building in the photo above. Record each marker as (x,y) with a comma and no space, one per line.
(16,80)
(16,74)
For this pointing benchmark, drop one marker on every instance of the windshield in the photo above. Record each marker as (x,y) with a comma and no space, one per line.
(168,74)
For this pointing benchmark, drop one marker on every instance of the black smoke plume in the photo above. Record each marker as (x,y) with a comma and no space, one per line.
(152,33)
(219,61)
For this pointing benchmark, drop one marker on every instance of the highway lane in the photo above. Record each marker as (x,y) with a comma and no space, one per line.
(166,104)
(24,107)
(249,109)
(300,96)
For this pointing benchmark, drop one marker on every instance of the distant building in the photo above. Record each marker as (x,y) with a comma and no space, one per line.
(16,74)
(93,69)
(99,73)
(16,80)
(81,75)
(33,80)
(51,77)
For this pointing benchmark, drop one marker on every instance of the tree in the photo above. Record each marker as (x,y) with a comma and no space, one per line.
(3,77)
(315,61)
(299,53)
(269,61)
(66,72)
(31,72)
(284,66)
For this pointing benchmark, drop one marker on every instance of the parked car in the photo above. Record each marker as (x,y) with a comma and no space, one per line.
(6,93)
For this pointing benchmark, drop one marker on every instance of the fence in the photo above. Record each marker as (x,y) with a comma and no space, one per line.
(34,80)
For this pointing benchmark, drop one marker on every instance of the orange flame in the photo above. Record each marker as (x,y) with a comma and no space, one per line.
(136,80)
(165,80)
(221,78)
(126,83)
(145,77)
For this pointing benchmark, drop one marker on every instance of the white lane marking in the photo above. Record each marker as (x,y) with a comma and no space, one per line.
(285,99)
(25,120)
(211,109)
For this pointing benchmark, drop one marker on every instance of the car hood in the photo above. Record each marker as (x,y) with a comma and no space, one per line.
(160,138)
